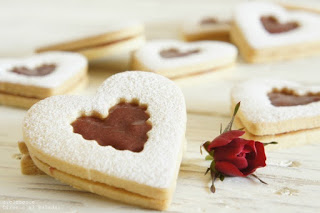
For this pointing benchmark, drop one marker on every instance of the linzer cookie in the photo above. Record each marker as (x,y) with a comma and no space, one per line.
(276,110)
(113,39)
(25,81)
(207,28)
(175,59)
(267,32)
(124,143)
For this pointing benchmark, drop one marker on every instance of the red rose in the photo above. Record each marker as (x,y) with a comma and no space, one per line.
(236,156)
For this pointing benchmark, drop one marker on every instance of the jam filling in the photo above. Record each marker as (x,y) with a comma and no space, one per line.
(41,70)
(288,98)
(125,128)
(208,21)
(273,26)
(175,53)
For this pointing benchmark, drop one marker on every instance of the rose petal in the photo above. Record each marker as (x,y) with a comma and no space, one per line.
(228,169)
(250,150)
(258,161)
(231,152)
(225,138)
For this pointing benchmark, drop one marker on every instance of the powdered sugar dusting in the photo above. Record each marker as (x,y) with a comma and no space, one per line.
(220,53)
(67,65)
(247,17)
(257,107)
(48,125)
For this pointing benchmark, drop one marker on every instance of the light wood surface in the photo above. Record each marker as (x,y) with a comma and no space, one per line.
(293,175)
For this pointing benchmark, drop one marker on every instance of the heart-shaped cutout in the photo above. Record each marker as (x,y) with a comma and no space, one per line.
(263,113)
(175,52)
(125,128)
(41,70)
(286,27)
(209,20)
(175,59)
(286,97)
(272,25)
(146,178)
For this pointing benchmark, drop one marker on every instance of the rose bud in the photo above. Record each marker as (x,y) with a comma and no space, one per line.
(236,156)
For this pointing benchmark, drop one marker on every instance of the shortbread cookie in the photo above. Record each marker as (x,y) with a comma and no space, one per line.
(113,40)
(207,28)
(24,82)
(175,59)
(275,107)
(26,163)
(124,143)
(285,140)
(267,32)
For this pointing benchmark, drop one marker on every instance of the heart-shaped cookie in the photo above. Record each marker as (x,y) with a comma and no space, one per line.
(270,107)
(267,31)
(55,131)
(25,81)
(176,59)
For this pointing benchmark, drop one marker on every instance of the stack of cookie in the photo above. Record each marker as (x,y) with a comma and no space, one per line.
(125,143)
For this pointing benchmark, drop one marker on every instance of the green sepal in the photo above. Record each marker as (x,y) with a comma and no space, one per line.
(229,126)
(272,142)
(205,146)
(213,166)
(209,157)
(208,169)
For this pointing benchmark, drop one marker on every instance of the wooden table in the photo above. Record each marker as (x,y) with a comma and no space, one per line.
(293,175)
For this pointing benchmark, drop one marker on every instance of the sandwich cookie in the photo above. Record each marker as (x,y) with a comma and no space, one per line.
(278,110)
(267,32)
(125,143)
(25,81)
(113,40)
(176,59)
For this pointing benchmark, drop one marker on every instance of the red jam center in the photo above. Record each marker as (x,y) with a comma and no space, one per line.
(284,98)
(272,25)
(175,53)
(208,21)
(125,128)
(42,70)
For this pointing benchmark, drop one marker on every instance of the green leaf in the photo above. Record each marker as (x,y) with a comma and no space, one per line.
(209,157)
(229,126)
(221,177)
